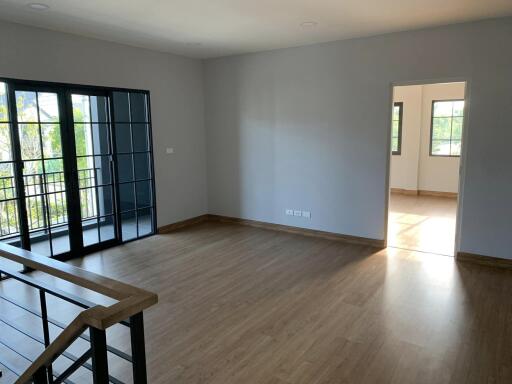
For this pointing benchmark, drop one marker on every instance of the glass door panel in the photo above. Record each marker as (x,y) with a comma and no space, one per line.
(10,232)
(134,170)
(76,167)
(40,142)
(94,167)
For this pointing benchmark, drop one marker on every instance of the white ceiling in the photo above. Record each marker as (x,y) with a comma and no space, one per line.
(212,28)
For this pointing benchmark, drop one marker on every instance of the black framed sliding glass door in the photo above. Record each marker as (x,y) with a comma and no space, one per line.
(132,141)
(76,167)
(10,199)
(37,139)
(94,168)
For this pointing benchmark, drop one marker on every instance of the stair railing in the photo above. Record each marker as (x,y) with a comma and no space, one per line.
(130,302)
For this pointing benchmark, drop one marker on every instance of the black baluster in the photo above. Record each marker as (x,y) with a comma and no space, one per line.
(99,356)
(46,331)
(138,349)
(40,376)
(43,205)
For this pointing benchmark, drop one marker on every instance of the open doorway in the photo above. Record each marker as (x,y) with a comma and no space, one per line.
(427,131)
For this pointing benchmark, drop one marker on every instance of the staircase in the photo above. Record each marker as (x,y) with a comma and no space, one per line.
(48,355)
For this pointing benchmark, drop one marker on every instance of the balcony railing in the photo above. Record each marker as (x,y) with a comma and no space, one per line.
(46,204)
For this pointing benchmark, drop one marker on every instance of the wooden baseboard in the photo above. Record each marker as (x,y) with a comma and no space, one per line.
(484,260)
(422,192)
(301,231)
(438,194)
(401,191)
(275,227)
(182,224)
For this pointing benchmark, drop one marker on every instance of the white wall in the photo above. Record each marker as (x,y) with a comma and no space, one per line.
(437,173)
(415,169)
(176,90)
(404,167)
(308,128)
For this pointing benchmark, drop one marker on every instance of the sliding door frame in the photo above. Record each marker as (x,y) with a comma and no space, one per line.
(18,169)
(64,92)
(80,246)
(14,86)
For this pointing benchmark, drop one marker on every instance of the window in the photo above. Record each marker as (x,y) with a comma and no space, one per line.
(396,132)
(446,127)
(76,167)
(132,137)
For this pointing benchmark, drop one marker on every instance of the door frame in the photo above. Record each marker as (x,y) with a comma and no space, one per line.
(64,91)
(25,240)
(82,249)
(463,155)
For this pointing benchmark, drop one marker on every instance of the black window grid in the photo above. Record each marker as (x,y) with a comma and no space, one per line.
(87,212)
(98,222)
(451,117)
(44,87)
(131,153)
(44,195)
(400,106)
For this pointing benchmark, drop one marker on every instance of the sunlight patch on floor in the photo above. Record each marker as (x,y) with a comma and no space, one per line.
(423,224)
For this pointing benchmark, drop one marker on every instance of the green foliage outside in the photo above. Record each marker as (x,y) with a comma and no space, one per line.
(446,127)
(35,183)
(447,124)
(395,128)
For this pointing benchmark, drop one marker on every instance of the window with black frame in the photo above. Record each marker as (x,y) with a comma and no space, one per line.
(93,154)
(446,128)
(9,196)
(135,174)
(396,131)
(76,167)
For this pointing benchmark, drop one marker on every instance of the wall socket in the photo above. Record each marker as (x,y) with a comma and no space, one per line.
(298,213)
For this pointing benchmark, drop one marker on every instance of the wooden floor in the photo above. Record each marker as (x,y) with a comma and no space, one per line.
(422,223)
(245,305)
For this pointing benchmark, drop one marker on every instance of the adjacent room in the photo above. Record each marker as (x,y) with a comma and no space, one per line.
(241,192)
(426,146)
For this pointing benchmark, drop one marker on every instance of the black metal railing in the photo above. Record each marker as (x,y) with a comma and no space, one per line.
(97,350)
(46,203)
(87,180)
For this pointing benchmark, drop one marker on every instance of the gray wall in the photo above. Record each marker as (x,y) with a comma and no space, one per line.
(176,87)
(301,128)
(307,128)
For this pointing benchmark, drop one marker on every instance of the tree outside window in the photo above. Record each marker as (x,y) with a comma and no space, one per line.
(446,128)
(396,132)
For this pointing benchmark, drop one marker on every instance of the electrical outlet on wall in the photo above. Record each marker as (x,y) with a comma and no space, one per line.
(297,213)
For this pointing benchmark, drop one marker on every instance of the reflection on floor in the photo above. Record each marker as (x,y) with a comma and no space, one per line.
(422,223)
(61,243)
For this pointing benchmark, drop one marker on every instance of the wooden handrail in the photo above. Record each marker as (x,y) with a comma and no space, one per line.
(101,284)
(59,345)
(130,301)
